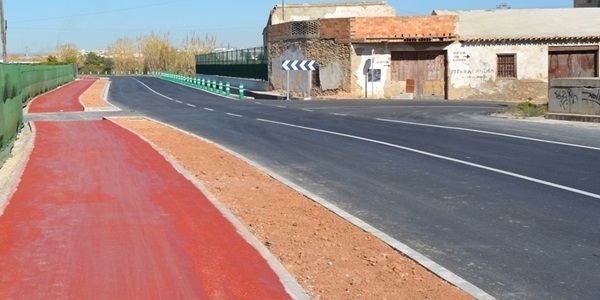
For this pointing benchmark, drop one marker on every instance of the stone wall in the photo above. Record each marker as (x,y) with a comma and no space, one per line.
(332,76)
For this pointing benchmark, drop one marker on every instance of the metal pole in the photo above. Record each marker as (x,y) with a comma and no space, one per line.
(373,73)
(3,32)
(288,85)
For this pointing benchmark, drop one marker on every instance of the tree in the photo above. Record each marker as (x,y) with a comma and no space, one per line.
(126,56)
(67,53)
(93,63)
(52,60)
(192,46)
(158,53)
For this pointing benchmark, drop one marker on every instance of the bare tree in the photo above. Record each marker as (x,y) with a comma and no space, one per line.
(158,53)
(126,56)
(192,46)
(67,53)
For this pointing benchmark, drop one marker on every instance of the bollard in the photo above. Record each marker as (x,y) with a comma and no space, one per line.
(214,86)
(220,87)
(227,89)
(203,84)
(241,91)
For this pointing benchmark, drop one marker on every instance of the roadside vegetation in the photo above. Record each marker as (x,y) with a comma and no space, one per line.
(525,109)
(145,54)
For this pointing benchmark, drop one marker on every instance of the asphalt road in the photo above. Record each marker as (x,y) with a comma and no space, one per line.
(511,206)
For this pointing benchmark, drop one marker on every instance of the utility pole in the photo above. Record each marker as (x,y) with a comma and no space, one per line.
(3,32)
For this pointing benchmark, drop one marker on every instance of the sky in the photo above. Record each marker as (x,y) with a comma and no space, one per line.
(39,26)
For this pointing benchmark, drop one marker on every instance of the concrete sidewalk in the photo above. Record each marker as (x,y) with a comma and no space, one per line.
(100,214)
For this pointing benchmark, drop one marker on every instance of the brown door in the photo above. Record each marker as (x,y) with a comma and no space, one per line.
(424,72)
(569,64)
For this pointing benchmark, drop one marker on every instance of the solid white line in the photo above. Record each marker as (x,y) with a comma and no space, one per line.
(234,115)
(166,97)
(491,133)
(190,105)
(543,182)
(209,109)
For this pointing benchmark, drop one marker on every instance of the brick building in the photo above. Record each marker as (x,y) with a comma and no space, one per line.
(351,41)
(365,51)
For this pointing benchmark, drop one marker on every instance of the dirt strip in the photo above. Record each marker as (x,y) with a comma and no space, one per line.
(330,258)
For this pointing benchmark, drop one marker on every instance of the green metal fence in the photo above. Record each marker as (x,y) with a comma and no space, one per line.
(241,63)
(18,85)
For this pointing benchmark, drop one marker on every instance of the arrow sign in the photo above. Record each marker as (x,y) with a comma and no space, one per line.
(299,65)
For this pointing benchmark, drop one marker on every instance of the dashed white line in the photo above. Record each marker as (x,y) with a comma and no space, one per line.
(516,175)
(209,109)
(338,114)
(280,106)
(306,109)
(178,101)
(491,133)
(257,103)
(234,115)
(190,105)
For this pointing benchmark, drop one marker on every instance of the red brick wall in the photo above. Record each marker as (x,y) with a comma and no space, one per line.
(390,27)
(335,28)
(279,31)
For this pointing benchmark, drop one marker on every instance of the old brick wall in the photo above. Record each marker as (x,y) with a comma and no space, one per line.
(402,27)
(333,58)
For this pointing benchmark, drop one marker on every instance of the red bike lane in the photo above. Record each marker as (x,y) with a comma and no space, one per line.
(63,99)
(100,214)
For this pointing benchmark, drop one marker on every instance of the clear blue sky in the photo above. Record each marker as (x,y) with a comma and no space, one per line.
(39,26)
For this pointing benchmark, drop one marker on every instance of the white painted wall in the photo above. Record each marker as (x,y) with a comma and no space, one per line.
(382,59)
(476,65)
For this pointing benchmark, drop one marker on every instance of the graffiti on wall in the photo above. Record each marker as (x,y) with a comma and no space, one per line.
(481,70)
(566,98)
(569,97)
(591,96)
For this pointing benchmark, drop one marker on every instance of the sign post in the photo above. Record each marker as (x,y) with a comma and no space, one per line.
(298,65)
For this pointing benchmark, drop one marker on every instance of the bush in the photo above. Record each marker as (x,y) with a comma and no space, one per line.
(526,109)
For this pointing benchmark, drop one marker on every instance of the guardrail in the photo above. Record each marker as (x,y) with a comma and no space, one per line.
(220,87)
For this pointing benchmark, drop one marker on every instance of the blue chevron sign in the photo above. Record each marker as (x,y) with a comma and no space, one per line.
(299,65)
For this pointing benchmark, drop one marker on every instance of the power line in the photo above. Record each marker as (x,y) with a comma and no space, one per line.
(101,12)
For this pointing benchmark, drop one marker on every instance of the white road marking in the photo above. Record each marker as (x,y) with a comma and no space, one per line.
(190,105)
(491,133)
(166,97)
(280,106)
(516,175)
(338,114)
(178,101)
(209,109)
(234,115)
(306,109)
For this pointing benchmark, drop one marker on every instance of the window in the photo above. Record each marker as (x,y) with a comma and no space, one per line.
(507,66)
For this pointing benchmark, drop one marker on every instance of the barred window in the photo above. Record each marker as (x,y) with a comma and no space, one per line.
(507,66)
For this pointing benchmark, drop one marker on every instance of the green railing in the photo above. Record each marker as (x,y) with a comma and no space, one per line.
(240,63)
(18,85)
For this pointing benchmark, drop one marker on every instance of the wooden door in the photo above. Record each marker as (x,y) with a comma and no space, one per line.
(424,72)
(569,64)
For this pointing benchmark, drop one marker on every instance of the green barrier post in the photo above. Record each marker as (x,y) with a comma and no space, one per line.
(220,87)
(214,86)
(227,89)
(241,91)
